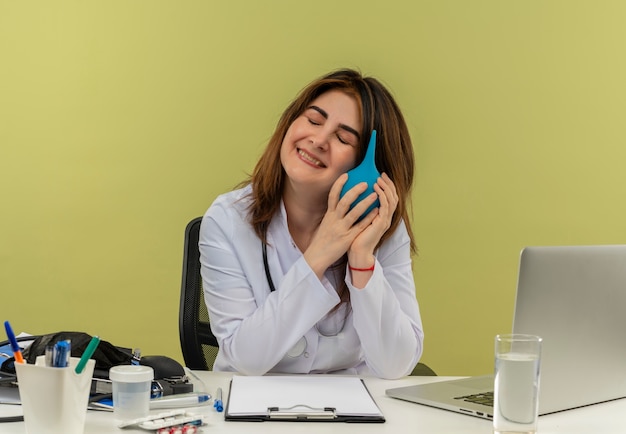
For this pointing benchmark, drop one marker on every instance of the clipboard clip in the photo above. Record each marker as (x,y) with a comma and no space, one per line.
(301,412)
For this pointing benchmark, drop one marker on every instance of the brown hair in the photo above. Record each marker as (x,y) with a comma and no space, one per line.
(379,111)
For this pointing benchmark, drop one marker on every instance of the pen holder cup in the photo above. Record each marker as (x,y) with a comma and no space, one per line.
(54,400)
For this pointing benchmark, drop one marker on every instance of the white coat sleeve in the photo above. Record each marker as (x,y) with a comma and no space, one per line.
(386,312)
(254,328)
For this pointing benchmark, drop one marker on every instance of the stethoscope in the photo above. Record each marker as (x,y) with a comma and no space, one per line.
(268,275)
(300,347)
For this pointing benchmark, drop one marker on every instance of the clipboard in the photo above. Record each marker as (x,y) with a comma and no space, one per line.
(301,398)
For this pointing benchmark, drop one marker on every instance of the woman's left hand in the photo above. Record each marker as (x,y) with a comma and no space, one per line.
(362,248)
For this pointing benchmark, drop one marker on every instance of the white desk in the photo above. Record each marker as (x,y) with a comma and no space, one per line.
(402,417)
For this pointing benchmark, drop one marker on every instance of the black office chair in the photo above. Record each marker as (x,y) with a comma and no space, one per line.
(197,341)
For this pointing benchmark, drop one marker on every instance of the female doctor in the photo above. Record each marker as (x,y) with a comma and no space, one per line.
(294,282)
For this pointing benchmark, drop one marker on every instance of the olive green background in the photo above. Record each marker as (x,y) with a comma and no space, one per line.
(122,120)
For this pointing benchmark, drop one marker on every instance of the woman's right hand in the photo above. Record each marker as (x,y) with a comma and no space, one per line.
(339,226)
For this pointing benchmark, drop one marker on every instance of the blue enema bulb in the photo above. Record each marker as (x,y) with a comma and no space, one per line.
(364,172)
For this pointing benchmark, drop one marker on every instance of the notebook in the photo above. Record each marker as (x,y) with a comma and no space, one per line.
(574,297)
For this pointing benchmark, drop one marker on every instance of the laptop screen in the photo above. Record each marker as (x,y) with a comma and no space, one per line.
(574,297)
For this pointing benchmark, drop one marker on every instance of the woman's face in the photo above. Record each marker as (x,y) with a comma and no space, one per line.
(322,143)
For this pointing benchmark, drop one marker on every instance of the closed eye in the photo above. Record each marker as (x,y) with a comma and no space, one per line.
(315,117)
(342,140)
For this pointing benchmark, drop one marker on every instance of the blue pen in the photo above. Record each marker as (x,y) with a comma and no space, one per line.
(218,401)
(17,353)
(61,354)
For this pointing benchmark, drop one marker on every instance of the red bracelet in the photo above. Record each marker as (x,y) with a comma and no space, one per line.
(361,269)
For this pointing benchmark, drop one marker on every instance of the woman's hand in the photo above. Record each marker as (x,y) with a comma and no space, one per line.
(339,227)
(339,232)
(361,250)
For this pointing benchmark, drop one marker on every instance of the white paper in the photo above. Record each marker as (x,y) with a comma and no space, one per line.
(253,395)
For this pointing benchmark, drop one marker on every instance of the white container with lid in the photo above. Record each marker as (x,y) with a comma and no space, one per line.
(131,391)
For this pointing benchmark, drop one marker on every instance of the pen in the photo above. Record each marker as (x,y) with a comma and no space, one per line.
(93,344)
(180,400)
(218,400)
(61,354)
(17,353)
(49,355)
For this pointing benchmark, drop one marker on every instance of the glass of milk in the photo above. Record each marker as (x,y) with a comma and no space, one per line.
(516,388)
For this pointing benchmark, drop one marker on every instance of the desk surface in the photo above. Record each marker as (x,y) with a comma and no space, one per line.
(401,416)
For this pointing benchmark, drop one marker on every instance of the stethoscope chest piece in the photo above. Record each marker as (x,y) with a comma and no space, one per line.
(298,349)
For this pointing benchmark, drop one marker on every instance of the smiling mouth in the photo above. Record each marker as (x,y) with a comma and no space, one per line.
(310,159)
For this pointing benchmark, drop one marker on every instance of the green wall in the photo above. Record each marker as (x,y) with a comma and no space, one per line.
(122,120)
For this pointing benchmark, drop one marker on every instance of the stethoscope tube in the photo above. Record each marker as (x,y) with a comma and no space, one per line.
(268,276)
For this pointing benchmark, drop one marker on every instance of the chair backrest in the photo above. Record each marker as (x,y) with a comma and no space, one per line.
(421,369)
(197,342)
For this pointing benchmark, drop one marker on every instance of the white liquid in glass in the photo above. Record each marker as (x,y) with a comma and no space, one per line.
(516,393)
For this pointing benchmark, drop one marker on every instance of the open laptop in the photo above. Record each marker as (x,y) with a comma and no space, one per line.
(575,299)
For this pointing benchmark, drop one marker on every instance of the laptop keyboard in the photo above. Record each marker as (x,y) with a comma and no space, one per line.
(479,398)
